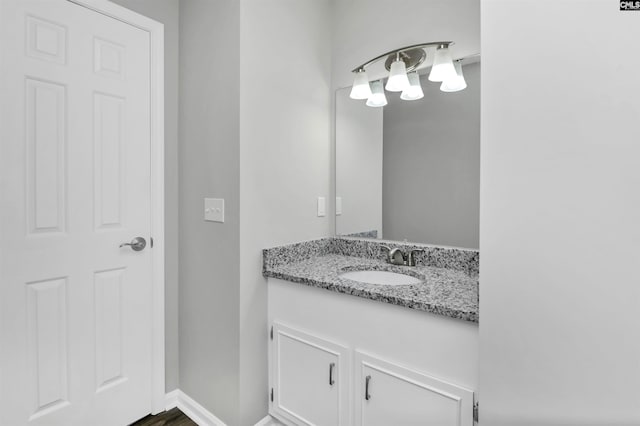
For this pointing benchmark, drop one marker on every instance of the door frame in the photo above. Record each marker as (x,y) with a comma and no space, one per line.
(156,36)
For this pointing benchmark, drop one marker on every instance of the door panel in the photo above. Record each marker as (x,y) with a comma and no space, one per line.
(392,394)
(45,146)
(47,331)
(75,184)
(310,379)
(46,40)
(109,332)
(108,122)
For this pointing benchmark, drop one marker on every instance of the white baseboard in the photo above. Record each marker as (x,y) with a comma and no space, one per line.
(268,421)
(192,409)
(264,422)
(199,414)
(171,399)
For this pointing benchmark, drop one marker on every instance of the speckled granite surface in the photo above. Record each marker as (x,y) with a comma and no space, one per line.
(465,260)
(450,276)
(275,257)
(458,259)
(365,234)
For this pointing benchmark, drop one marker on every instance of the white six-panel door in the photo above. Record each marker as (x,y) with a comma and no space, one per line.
(75,169)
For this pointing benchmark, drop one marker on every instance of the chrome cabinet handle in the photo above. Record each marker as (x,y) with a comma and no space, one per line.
(331,367)
(137,244)
(367,396)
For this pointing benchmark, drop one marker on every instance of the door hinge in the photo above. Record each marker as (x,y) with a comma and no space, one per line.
(271,333)
(271,394)
(476,412)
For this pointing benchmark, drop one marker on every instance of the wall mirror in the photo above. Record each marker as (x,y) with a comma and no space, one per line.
(410,171)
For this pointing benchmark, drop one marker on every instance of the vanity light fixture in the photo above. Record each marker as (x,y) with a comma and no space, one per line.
(402,65)
(457,83)
(360,89)
(377,98)
(414,91)
(442,68)
(398,80)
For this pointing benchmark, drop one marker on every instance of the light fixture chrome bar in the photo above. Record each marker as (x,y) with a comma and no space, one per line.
(466,58)
(463,59)
(402,49)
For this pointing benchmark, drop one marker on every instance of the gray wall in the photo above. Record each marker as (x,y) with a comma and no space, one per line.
(209,167)
(166,11)
(252,134)
(285,158)
(431,172)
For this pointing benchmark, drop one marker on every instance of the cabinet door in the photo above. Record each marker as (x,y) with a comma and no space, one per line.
(309,377)
(389,394)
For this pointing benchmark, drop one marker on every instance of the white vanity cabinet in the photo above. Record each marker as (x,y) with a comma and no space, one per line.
(421,368)
(310,378)
(389,394)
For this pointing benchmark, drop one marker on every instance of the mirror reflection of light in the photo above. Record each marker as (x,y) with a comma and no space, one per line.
(414,91)
(377,98)
(457,83)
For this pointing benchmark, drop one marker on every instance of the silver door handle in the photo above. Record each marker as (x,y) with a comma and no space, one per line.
(367,395)
(331,367)
(137,244)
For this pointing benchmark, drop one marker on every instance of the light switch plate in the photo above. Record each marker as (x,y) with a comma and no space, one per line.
(322,207)
(338,206)
(214,209)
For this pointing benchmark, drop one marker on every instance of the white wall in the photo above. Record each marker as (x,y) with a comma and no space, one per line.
(559,233)
(284,151)
(166,11)
(431,190)
(209,167)
(358,165)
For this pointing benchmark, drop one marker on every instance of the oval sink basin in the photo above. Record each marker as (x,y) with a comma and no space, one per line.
(380,277)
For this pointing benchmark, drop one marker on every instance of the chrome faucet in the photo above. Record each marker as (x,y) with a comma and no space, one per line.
(396,256)
(411,258)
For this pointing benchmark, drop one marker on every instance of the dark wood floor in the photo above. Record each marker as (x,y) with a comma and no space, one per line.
(173,417)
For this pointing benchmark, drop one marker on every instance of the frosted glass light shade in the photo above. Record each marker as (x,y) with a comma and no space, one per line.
(457,83)
(442,68)
(377,98)
(360,88)
(398,80)
(414,91)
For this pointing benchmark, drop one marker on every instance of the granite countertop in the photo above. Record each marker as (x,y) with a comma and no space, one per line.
(447,292)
